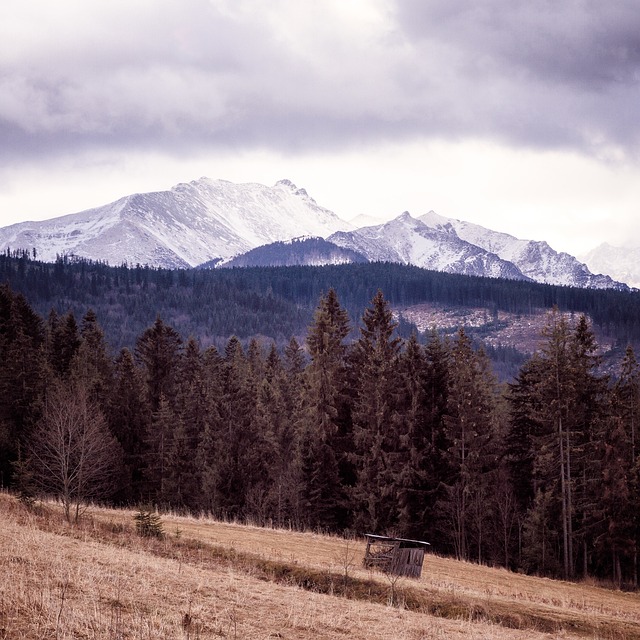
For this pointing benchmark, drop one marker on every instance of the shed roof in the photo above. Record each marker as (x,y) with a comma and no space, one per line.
(373,536)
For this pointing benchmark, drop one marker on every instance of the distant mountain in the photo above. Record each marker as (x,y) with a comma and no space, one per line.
(621,263)
(363,220)
(535,259)
(193,223)
(214,223)
(410,241)
(299,251)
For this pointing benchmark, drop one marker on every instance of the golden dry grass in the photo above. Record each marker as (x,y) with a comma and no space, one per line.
(101,581)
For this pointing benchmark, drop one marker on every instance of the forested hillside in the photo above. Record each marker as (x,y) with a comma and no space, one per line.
(379,434)
(278,302)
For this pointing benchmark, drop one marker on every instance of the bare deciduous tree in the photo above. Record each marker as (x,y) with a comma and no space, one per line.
(72,452)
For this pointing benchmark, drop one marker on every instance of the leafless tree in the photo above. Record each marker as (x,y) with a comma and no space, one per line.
(72,452)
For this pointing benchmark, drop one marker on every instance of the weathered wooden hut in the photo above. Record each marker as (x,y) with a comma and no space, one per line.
(396,556)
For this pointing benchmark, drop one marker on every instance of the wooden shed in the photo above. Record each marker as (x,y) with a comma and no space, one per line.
(397,556)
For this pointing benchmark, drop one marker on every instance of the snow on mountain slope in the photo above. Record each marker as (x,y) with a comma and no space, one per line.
(409,241)
(210,222)
(535,259)
(621,263)
(192,223)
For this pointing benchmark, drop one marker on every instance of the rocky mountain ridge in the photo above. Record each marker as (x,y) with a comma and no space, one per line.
(217,223)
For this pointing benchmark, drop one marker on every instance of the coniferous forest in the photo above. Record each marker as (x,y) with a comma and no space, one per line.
(355,428)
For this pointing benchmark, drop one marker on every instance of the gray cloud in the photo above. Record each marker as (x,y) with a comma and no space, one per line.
(175,76)
(541,72)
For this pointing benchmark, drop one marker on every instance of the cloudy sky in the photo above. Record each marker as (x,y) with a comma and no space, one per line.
(520,115)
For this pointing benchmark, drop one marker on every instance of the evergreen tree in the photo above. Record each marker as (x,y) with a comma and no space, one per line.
(322,496)
(191,407)
(210,447)
(470,429)
(236,472)
(91,362)
(157,350)
(620,498)
(554,459)
(423,373)
(589,425)
(375,420)
(416,484)
(129,415)
(158,451)
(64,342)
(23,375)
(567,403)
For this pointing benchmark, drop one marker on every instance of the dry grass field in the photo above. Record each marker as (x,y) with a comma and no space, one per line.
(207,579)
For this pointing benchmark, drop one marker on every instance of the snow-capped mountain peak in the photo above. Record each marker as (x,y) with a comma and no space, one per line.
(192,223)
(214,222)
(535,259)
(409,240)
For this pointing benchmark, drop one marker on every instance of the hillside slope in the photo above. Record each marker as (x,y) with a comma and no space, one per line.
(208,579)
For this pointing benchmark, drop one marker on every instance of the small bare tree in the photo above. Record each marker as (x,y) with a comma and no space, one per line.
(72,453)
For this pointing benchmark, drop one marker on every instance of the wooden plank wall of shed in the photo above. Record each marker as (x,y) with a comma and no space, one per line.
(407,562)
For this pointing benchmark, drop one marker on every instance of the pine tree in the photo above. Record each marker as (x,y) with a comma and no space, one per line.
(620,497)
(376,429)
(158,449)
(422,405)
(91,362)
(322,496)
(23,375)
(470,430)
(589,426)
(210,447)
(129,415)
(412,481)
(64,342)
(567,402)
(237,410)
(191,407)
(158,350)
(555,391)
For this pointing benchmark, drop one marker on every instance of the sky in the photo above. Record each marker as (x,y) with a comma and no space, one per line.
(519,115)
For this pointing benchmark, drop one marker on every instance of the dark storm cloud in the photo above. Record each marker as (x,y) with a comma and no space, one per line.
(582,43)
(175,76)
(541,71)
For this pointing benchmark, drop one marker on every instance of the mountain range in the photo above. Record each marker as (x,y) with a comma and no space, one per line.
(215,223)
(621,263)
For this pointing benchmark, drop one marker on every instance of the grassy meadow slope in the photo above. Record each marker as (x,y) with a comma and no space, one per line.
(207,579)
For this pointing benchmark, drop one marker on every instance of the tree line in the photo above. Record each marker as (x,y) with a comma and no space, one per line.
(279,302)
(380,434)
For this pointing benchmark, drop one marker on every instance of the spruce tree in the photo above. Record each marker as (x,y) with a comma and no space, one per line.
(322,496)
(192,412)
(158,350)
(129,416)
(238,438)
(211,443)
(158,450)
(375,420)
(470,430)
(423,372)
(64,341)
(91,363)
(23,375)
(589,427)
